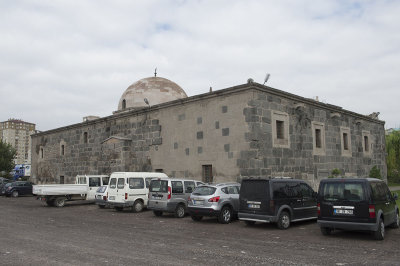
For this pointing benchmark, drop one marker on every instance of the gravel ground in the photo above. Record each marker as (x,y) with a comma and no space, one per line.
(33,234)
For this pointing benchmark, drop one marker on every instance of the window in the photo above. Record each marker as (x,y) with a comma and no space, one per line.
(159,186)
(345,142)
(280,129)
(318,131)
(121,183)
(177,187)
(82,180)
(345,137)
(62,150)
(105,180)
(62,179)
(318,138)
(123,104)
(189,186)
(136,183)
(41,153)
(94,182)
(306,191)
(343,191)
(85,137)
(366,144)
(113,183)
(148,181)
(207,174)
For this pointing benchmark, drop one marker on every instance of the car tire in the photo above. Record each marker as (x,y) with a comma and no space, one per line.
(50,203)
(225,216)
(326,231)
(157,213)
(15,194)
(196,218)
(119,209)
(283,220)
(380,233)
(250,223)
(137,206)
(396,223)
(59,202)
(180,211)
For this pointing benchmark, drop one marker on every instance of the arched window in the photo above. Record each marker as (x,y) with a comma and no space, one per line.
(41,153)
(62,150)
(123,104)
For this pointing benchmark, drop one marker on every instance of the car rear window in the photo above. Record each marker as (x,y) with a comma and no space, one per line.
(254,189)
(159,186)
(339,191)
(204,191)
(101,189)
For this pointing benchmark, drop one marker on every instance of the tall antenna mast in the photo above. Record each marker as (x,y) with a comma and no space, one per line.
(155,72)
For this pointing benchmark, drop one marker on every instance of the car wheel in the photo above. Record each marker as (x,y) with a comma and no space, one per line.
(380,233)
(283,220)
(326,231)
(396,223)
(119,209)
(137,206)
(249,223)
(196,218)
(101,206)
(59,202)
(180,211)
(15,194)
(50,203)
(157,213)
(225,216)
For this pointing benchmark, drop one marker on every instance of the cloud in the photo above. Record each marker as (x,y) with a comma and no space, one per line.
(63,60)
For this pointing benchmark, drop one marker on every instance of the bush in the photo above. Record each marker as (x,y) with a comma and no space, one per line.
(375,172)
(335,173)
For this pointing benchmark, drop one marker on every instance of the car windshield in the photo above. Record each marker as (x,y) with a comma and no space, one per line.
(204,191)
(101,189)
(341,191)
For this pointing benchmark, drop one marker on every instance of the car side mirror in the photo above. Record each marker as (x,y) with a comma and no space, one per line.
(395,196)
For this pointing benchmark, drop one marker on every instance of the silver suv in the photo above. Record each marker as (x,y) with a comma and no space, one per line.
(220,200)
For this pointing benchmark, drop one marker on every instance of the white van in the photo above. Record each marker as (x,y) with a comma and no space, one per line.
(130,189)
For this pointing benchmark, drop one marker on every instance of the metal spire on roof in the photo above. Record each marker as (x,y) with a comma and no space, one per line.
(155,72)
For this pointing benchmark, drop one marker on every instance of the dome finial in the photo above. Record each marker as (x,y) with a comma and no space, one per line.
(155,72)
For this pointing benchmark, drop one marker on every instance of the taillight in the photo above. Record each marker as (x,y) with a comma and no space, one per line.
(319,209)
(104,198)
(371,210)
(126,196)
(169,192)
(272,205)
(214,199)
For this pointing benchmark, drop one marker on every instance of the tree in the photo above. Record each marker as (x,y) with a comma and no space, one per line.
(393,156)
(375,172)
(7,154)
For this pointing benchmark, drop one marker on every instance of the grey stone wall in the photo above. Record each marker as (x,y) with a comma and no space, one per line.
(299,159)
(113,145)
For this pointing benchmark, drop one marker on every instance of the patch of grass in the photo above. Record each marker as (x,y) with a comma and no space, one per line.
(398,200)
(392,184)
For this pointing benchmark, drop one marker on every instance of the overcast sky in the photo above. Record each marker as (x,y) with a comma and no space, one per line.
(63,60)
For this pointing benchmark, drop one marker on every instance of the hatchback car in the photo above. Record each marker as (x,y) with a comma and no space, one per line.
(101,197)
(220,200)
(361,204)
(19,188)
(278,200)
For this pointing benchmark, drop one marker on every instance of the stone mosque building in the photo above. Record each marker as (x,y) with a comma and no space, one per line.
(249,130)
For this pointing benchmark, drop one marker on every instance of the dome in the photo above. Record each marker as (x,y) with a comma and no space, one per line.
(155,89)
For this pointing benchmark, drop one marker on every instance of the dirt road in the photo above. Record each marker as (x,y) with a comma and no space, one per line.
(32,234)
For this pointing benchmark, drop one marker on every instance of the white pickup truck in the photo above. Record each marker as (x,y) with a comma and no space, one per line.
(84,189)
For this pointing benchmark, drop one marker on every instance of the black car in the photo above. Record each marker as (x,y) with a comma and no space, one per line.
(19,188)
(3,182)
(278,200)
(361,204)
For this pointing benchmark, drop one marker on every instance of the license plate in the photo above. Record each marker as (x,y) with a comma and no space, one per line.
(254,206)
(345,212)
(157,198)
(111,198)
(198,202)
